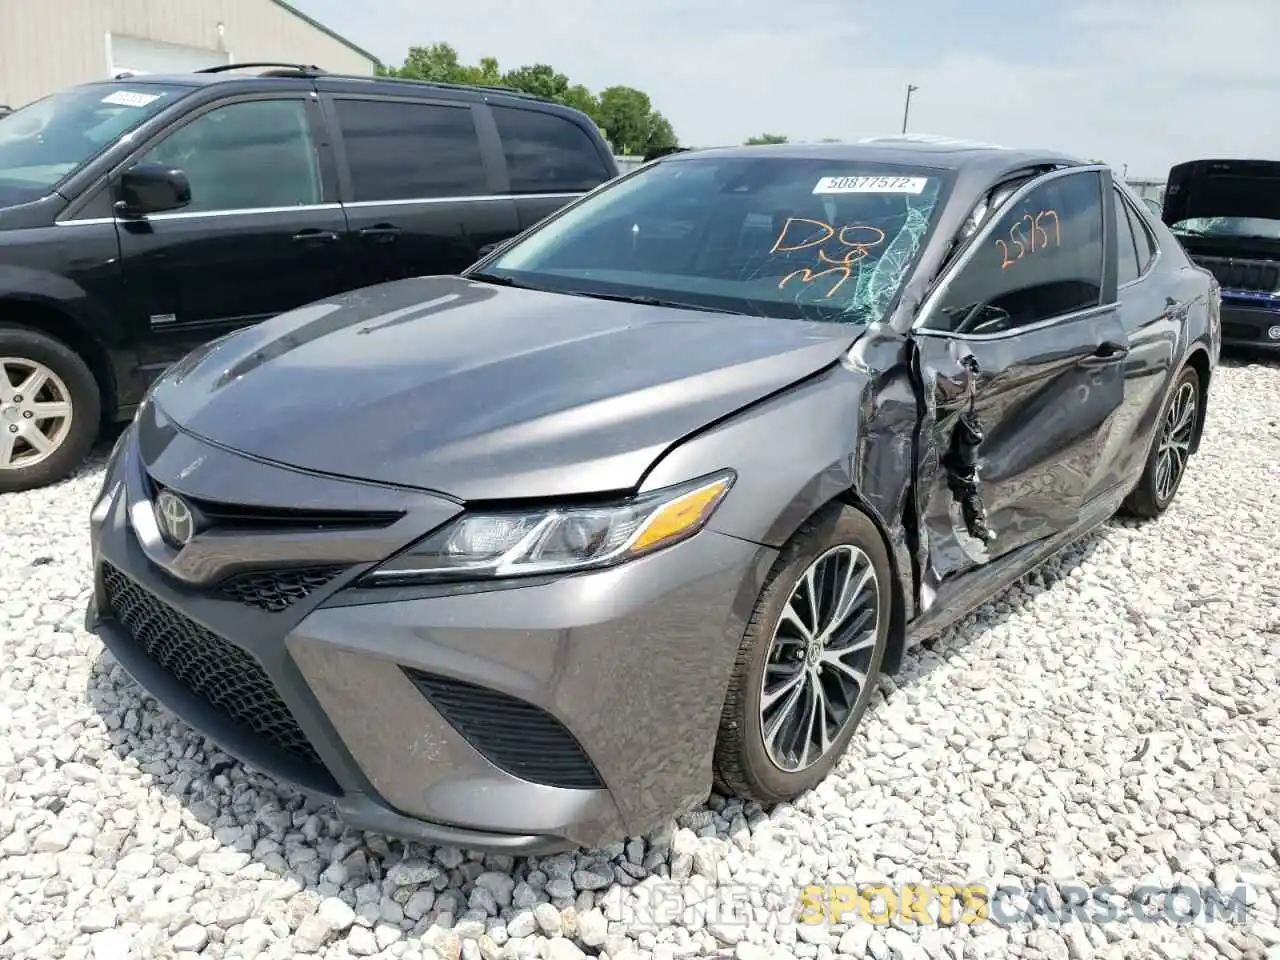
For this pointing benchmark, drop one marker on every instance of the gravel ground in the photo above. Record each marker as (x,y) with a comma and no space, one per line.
(1110,720)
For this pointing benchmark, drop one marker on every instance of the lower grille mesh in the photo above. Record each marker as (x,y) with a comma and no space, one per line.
(516,736)
(277,590)
(210,667)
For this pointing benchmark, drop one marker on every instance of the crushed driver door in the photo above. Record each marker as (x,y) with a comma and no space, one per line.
(1019,363)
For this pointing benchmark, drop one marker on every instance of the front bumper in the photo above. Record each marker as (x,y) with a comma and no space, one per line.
(515,718)
(1251,325)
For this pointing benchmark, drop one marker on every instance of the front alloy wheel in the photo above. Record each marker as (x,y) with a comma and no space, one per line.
(809,660)
(818,661)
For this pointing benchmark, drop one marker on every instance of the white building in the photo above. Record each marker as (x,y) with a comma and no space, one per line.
(47,46)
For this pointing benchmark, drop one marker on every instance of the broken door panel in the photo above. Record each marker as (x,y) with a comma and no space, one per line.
(1011,436)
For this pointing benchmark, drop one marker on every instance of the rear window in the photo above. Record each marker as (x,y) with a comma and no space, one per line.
(402,150)
(548,154)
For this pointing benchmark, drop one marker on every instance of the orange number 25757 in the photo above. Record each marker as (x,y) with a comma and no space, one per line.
(1031,234)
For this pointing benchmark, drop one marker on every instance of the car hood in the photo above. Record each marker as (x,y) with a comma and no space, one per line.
(1223,188)
(484,392)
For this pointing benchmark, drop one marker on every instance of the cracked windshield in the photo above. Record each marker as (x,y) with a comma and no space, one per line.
(1252,228)
(780,237)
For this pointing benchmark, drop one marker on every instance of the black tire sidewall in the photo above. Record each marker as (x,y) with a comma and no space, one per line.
(86,406)
(832,527)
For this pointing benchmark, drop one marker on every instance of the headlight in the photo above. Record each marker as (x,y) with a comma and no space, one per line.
(557,539)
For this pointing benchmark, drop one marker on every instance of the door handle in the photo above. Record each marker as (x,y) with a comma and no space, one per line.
(315,236)
(1106,352)
(382,232)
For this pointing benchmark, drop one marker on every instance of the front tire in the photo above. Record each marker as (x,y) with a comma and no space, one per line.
(809,659)
(1170,449)
(50,409)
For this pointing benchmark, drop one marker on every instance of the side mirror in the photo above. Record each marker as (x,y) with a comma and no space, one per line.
(152,188)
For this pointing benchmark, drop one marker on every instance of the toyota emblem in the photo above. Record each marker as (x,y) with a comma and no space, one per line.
(177,522)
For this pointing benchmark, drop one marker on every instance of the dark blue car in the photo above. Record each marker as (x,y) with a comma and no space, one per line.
(1226,214)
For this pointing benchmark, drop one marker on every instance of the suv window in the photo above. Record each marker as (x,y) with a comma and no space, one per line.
(1142,238)
(1042,259)
(403,150)
(546,153)
(244,156)
(1127,263)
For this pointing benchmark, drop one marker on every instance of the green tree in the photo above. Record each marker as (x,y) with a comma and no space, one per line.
(766,138)
(438,62)
(487,73)
(580,98)
(661,133)
(539,80)
(625,116)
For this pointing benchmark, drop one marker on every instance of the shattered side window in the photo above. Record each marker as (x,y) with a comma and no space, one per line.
(813,239)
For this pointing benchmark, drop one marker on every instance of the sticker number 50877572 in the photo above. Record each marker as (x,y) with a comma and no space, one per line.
(871,185)
(1031,234)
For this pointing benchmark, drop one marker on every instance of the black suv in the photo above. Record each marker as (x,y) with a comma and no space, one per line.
(142,217)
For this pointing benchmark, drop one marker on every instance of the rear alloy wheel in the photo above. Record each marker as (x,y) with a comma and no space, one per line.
(49,410)
(809,660)
(1167,461)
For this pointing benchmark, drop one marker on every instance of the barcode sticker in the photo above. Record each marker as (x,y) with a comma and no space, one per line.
(130,98)
(871,185)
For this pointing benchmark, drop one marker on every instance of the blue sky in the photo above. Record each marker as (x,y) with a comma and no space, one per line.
(1142,83)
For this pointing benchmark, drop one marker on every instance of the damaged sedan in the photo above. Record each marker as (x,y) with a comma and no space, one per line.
(644,502)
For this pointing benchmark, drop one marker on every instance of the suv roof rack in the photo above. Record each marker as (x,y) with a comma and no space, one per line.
(297,69)
(280,69)
(444,85)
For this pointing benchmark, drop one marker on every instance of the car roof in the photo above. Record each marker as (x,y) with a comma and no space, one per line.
(945,153)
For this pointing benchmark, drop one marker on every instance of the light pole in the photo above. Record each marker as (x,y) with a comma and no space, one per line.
(906,109)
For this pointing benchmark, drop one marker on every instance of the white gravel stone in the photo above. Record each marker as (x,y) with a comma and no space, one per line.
(190,939)
(1111,719)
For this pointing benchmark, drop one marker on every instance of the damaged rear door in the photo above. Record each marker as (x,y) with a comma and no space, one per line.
(1020,367)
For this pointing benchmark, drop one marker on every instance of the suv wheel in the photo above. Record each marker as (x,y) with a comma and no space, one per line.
(49,409)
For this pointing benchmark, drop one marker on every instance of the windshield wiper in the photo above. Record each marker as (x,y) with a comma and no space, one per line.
(650,301)
(500,281)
